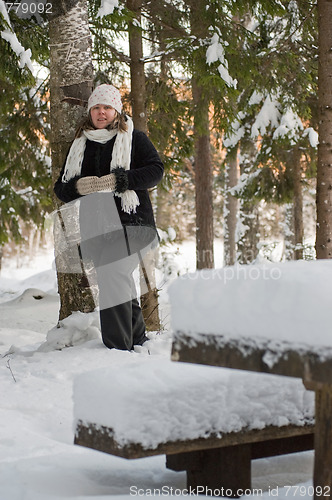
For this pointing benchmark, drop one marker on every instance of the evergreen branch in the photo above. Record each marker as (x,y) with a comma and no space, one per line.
(120,55)
(126,59)
(182,32)
(189,167)
(290,36)
(158,56)
(40,86)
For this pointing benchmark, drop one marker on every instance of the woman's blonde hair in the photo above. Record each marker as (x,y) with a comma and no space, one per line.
(119,122)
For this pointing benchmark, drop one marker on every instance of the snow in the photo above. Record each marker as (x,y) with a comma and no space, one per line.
(290,126)
(286,122)
(236,134)
(277,301)
(163,401)
(268,115)
(255,98)
(296,21)
(8,35)
(313,136)
(38,460)
(107,7)
(216,52)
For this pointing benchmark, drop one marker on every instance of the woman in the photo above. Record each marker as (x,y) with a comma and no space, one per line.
(111,164)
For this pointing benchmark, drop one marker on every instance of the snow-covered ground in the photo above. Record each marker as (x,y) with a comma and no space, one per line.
(38,458)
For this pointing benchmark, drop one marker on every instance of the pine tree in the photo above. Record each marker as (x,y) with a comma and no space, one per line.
(276,105)
(24,153)
(188,43)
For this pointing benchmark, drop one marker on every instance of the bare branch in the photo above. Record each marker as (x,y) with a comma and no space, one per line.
(10,369)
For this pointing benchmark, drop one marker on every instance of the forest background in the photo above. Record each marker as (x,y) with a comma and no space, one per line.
(226,90)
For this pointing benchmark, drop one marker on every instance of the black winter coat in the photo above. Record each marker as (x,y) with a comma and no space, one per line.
(146,170)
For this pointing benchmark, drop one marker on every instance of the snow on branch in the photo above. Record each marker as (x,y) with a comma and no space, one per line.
(312,135)
(9,35)
(244,180)
(215,52)
(290,126)
(268,115)
(107,7)
(236,132)
(285,122)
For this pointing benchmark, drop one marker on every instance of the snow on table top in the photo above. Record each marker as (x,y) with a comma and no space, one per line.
(161,401)
(289,302)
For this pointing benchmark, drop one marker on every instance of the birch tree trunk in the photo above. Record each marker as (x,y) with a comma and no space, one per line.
(149,300)
(71,75)
(324,163)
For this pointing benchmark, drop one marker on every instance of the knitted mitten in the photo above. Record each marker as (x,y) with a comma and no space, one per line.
(86,185)
(91,184)
(106,183)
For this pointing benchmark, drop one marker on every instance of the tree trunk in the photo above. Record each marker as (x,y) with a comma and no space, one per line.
(248,233)
(202,156)
(231,207)
(137,75)
(323,435)
(324,164)
(298,204)
(149,300)
(289,232)
(71,75)
(164,212)
(203,181)
(322,468)
(248,222)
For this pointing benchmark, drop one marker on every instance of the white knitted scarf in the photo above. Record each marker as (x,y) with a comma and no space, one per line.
(121,156)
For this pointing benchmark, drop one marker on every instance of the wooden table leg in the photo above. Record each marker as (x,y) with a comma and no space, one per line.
(216,472)
(323,442)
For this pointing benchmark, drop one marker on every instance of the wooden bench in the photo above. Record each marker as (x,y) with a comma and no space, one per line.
(214,460)
(312,365)
(262,318)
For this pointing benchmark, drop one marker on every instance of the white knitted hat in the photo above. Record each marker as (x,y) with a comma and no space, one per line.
(106,94)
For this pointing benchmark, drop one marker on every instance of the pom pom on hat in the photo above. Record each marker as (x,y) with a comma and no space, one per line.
(106,94)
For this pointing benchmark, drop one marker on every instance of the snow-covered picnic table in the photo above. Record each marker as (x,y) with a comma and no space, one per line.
(270,318)
(209,422)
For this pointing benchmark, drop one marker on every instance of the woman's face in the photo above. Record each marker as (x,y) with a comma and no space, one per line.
(102,115)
